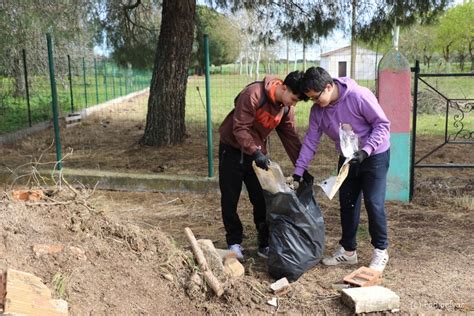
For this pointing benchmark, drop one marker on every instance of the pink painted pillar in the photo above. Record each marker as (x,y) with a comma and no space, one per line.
(394,95)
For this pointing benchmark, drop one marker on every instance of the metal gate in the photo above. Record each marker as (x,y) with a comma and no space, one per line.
(458,109)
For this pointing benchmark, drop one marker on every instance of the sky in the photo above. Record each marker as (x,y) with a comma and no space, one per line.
(334,41)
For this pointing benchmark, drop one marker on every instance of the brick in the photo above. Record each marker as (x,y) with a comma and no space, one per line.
(28,195)
(364,277)
(44,249)
(370,299)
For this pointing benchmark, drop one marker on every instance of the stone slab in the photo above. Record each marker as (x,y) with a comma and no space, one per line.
(370,299)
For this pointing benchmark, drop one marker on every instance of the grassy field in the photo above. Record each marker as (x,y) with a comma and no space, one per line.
(224,88)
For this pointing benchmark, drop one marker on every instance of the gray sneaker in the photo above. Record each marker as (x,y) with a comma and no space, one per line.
(340,257)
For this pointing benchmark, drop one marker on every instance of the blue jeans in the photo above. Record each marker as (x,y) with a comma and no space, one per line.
(370,179)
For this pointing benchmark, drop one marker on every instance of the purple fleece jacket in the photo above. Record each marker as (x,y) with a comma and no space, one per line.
(356,106)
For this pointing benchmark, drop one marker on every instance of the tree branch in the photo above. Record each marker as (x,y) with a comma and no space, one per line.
(130,7)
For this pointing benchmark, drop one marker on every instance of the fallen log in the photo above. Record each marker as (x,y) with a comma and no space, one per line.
(211,280)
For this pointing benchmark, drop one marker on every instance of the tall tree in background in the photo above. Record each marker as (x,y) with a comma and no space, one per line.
(455,33)
(224,37)
(166,104)
(130,30)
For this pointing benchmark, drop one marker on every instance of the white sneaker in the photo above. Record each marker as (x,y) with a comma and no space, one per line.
(379,259)
(340,257)
(237,249)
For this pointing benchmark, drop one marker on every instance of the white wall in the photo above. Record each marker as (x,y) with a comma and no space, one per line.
(365,63)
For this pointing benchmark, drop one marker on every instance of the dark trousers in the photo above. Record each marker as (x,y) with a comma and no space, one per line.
(235,168)
(370,179)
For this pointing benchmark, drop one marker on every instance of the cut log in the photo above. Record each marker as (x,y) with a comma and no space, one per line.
(211,280)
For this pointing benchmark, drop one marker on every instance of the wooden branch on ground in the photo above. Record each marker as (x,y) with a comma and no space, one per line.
(201,260)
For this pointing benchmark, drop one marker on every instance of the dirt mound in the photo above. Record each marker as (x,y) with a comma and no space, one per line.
(96,264)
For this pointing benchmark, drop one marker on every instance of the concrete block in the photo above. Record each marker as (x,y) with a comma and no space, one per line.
(370,299)
(280,286)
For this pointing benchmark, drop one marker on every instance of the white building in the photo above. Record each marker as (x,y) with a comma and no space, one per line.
(338,63)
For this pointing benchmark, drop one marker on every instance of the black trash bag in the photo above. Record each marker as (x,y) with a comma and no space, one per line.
(296,232)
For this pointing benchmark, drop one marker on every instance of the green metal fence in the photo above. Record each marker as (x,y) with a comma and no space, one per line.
(81,82)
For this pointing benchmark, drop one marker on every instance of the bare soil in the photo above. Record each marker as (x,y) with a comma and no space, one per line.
(132,240)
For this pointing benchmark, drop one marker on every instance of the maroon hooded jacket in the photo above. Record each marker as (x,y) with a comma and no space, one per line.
(247,126)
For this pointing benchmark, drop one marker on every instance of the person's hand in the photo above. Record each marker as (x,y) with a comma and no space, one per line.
(358,157)
(293,182)
(261,160)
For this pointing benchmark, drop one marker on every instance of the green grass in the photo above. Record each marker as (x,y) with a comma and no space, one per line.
(435,124)
(224,88)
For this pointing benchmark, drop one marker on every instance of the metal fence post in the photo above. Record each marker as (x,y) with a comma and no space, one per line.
(113,81)
(70,82)
(26,87)
(120,82)
(85,83)
(105,81)
(210,151)
(416,70)
(96,82)
(54,103)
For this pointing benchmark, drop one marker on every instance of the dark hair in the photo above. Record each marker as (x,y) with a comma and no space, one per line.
(293,81)
(316,79)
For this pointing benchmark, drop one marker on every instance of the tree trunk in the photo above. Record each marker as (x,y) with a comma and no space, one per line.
(353,39)
(304,56)
(462,59)
(257,63)
(471,54)
(18,75)
(166,104)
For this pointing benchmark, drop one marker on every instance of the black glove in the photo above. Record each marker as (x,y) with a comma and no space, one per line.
(261,160)
(297,178)
(359,156)
(306,177)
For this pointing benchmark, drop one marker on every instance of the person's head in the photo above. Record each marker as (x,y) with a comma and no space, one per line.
(317,85)
(291,91)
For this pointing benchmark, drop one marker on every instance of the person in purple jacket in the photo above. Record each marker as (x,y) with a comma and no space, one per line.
(340,102)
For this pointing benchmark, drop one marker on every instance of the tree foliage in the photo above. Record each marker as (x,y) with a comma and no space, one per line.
(379,18)
(456,32)
(130,30)
(224,37)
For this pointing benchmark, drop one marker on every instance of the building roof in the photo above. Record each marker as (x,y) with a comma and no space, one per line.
(342,49)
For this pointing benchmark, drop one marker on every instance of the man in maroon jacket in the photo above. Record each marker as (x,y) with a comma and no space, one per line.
(260,108)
